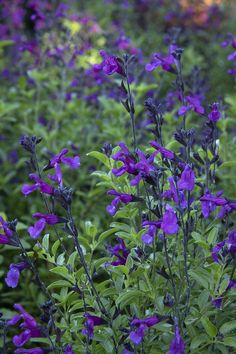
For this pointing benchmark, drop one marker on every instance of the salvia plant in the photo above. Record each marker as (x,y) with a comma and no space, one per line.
(154,271)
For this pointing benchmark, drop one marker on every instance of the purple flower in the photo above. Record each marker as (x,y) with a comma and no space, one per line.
(164,152)
(137,335)
(170,222)
(120,251)
(229,245)
(215,114)
(6,234)
(231,285)
(119,197)
(69,349)
(215,251)
(39,226)
(55,162)
(89,323)
(165,62)
(29,326)
(177,344)
(39,184)
(231,241)
(174,195)
(13,274)
(148,237)
(194,104)
(109,65)
(226,210)
(209,202)
(187,179)
(217,302)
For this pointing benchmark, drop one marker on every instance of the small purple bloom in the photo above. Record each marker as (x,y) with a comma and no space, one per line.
(109,65)
(72,162)
(119,197)
(89,323)
(168,154)
(170,222)
(215,251)
(174,195)
(29,326)
(231,241)
(215,114)
(187,179)
(209,202)
(69,349)
(217,302)
(137,335)
(39,184)
(29,351)
(148,237)
(165,62)
(194,104)
(6,234)
(120,252)
(39,226)
(177,344)
(13,274)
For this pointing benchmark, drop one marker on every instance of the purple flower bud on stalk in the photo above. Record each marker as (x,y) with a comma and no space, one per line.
(137,335)
(40,184)
(165,62)
(209,202)
(13,274)
(5,232)
(120,251)
(217,302)
(177,344)
(119,197)
(69,349)
(29,326)
(194,104)
(170,222)
(172,193)
(109,65)
(148,237)
(215,114)
(39,226)
(164,152)
(187,179)
(89,323)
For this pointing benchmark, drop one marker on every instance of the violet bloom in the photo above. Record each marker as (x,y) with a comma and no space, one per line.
(44,219)
(5,232)
(215,114)
(120,252)
(170,222)
(217,302)
(69,349)
(216,250)
(109,65)
(29,326)
(153,226)
(165,62)
(194,104)
(29,351)
(89,323)
(209,202)
(231,241)
(168,154)
(13,274)
(226,209)
(143,167)
(119,197)
(177,344)
(231,285)
(174,195)
(128,162)
(138,334)
(39,184)
(187,179)
(72,162)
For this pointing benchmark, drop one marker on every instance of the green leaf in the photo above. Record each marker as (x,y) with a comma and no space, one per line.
(100,157)
(210,329)
(228,164)
(63,271)
(230,341)
(45,242)
(55,247)
(59,284)
(200,278)
(90,229)
(228,327)
(199,340)
(6,43)
(128,297)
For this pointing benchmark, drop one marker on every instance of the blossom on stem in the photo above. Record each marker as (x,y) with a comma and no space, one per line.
(69,349)
(176,196)
(44,219)
(148,237)
(228,245)
(119,197)
(187,179)
(194,104)
(166,62)
(39,184)
(177,344)
(55,162)
(109,65)
(214,114)
(120,252)
(169,222)
(6,234)
(13,274)
(29,326)
(209,202)
(89,323)
(137,335)
(168,154)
